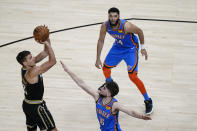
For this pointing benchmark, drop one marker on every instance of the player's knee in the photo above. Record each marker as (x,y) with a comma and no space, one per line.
(106,72)
(32,128)
(133,76)
(105,68)
(55,129)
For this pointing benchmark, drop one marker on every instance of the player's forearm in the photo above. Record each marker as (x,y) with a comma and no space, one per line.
(141,36)
(99,48)
(78,81)
(52,58)
(45,51)
(136,114)
(41,55)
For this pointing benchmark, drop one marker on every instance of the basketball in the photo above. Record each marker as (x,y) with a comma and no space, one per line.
(41,33)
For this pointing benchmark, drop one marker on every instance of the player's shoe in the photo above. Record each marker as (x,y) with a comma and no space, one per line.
(108,81)
(149,106)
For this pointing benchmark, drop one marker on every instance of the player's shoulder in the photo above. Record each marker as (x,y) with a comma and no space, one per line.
(114,100)
(98,99)
(33,71)
(127,23)
(115,106)
(35,68)
(104,24)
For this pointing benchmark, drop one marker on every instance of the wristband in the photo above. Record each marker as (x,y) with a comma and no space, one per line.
(142,46)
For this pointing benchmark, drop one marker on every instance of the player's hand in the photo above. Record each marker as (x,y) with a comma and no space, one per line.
(98,64)
(64,66)
(146,117)
(47,42)
(144,53)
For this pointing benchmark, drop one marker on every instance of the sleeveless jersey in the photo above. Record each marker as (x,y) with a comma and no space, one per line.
(32,91)
(108,121)
(123,40)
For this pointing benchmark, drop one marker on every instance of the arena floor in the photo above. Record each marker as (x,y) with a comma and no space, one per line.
(170,74)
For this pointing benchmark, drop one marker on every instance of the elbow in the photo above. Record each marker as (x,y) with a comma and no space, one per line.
(140,32)
(53,62)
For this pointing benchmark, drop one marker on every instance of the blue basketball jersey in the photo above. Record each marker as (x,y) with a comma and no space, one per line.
(122,40)
(108,121)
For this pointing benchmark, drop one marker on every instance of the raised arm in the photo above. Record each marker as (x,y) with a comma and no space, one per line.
(131,28)
(46,65)
(117,106)
(81,83)
(100,43)
(42,54)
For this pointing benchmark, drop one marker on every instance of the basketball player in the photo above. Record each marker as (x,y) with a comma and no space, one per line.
(125,48)
(107,107)
(34,107)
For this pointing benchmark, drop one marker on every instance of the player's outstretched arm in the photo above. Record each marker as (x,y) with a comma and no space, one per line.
(42,54)
(117,106)
(80,82)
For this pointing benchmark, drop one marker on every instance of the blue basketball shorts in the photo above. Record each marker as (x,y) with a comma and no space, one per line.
(117,54)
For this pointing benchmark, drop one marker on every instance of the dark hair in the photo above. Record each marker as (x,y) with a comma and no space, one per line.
(21,57)
(113,88)
(114,9)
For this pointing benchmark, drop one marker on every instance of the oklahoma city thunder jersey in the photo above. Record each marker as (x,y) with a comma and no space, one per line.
(122,40)
(108,121)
